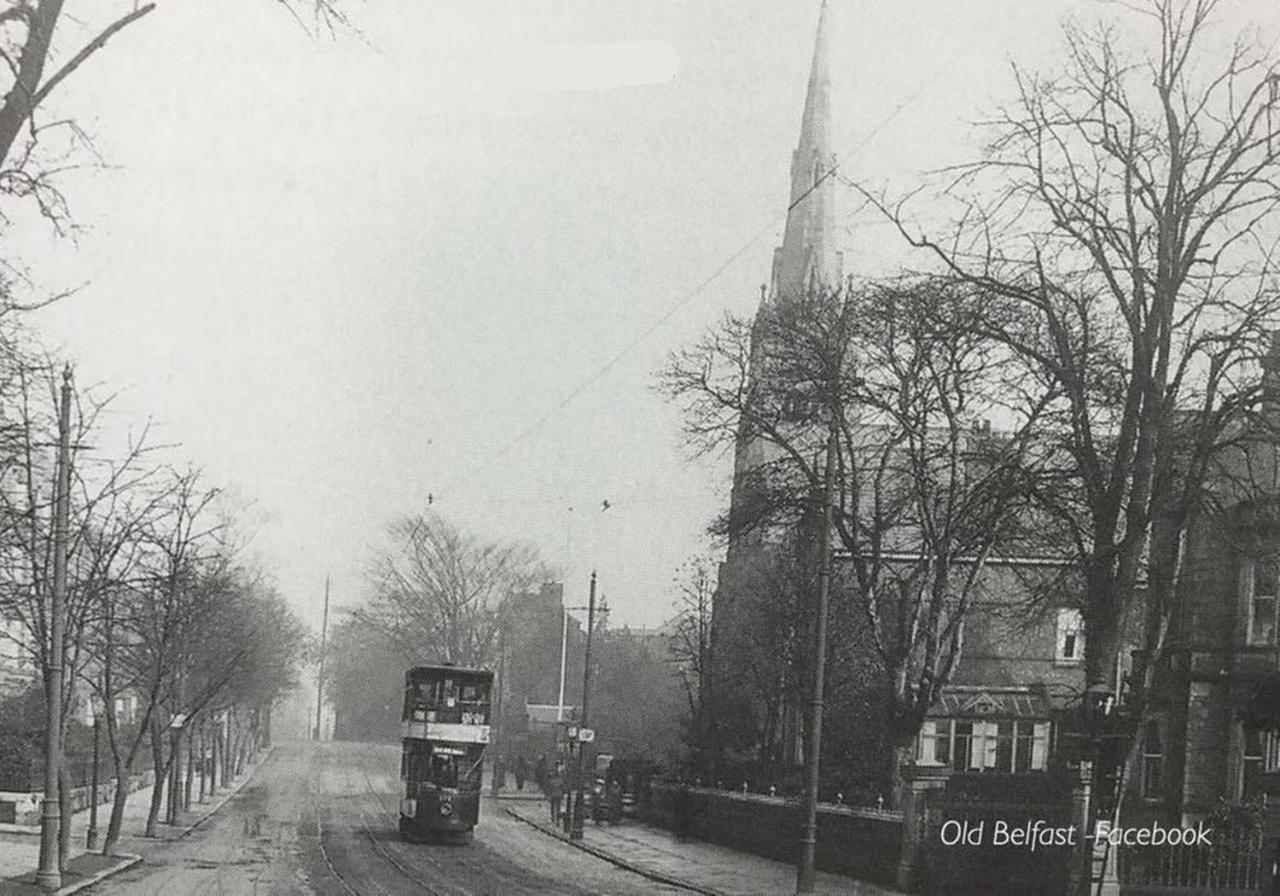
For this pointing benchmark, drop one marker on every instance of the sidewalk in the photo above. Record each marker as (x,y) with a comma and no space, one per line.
(21,849)
(702,867)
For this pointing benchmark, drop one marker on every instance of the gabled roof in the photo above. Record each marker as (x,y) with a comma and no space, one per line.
(990,703)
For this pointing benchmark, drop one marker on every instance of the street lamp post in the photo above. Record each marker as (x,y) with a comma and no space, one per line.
(49,875)
(805,874)
(575,832)
(564,643)
(91,838)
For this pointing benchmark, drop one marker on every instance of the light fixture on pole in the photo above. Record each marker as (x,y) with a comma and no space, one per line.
(575,832)
(805,871)
(564,642)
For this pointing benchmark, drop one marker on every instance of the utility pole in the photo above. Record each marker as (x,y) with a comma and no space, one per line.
(564,643)
(49,877)
(579,808)
(324,634)
(809,836)
(499,765)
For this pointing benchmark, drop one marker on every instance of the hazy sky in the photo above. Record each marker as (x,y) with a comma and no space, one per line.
(350,272)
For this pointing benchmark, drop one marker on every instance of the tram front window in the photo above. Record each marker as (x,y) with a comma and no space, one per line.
(444,771)
(441,765)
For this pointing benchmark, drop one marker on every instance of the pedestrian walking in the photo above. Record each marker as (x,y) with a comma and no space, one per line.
(555,792)
(540,773)
(614,802)
(522,771)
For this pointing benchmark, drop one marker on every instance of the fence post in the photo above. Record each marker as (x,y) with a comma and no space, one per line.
(1081,784)
(918,782)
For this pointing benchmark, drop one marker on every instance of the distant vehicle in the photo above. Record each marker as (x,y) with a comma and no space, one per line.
(445,725)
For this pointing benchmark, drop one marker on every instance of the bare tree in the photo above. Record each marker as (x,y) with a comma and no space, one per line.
(691,652)
(42,44)
(923,494)
(1122,222)
(103,513)
(436,591)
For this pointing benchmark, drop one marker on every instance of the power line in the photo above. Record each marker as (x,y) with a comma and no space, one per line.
(690,295)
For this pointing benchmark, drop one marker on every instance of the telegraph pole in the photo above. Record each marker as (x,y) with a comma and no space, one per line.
(579,807)
(564,643)
(324,633)
(49,877)
(809,836)
(498,779)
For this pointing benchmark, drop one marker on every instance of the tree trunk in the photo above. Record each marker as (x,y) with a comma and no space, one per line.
(157,789)
(215,756)
(35,50)
(64,807)
(901,755)
(242,748)
(175,774)
(228,740)
(204,764)
(1103,616)
(191,770)
(123,774)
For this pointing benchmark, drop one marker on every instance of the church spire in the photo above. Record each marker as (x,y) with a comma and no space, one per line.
(808,257)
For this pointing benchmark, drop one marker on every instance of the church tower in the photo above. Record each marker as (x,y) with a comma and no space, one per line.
(808,262)
(808,258)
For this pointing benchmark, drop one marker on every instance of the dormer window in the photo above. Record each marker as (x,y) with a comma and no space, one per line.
(1260,586)
(1070,640)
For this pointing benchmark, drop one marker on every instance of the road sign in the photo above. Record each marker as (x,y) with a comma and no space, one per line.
(586,735)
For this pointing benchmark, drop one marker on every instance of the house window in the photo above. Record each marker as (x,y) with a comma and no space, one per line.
(1262,602)
(1260,753)
(1152,763)
(1070,641)
(961,744)
(935,743)
(1002,746)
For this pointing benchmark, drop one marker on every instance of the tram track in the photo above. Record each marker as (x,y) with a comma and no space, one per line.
(366,830)
(360,820)
(463,858)
(386,853)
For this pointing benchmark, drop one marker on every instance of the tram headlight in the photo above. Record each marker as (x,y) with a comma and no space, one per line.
(446,807)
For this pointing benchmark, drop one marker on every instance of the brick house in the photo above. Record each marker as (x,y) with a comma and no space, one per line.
(1222,655)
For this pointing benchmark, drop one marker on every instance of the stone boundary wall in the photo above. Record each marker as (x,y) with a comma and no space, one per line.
(860,843)
(23,809)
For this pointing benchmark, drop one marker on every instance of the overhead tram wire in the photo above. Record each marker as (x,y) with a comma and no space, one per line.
(689,296)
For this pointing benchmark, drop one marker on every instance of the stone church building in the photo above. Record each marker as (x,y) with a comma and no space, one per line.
(1013,702)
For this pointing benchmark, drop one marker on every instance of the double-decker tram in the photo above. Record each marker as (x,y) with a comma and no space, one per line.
(445,730)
